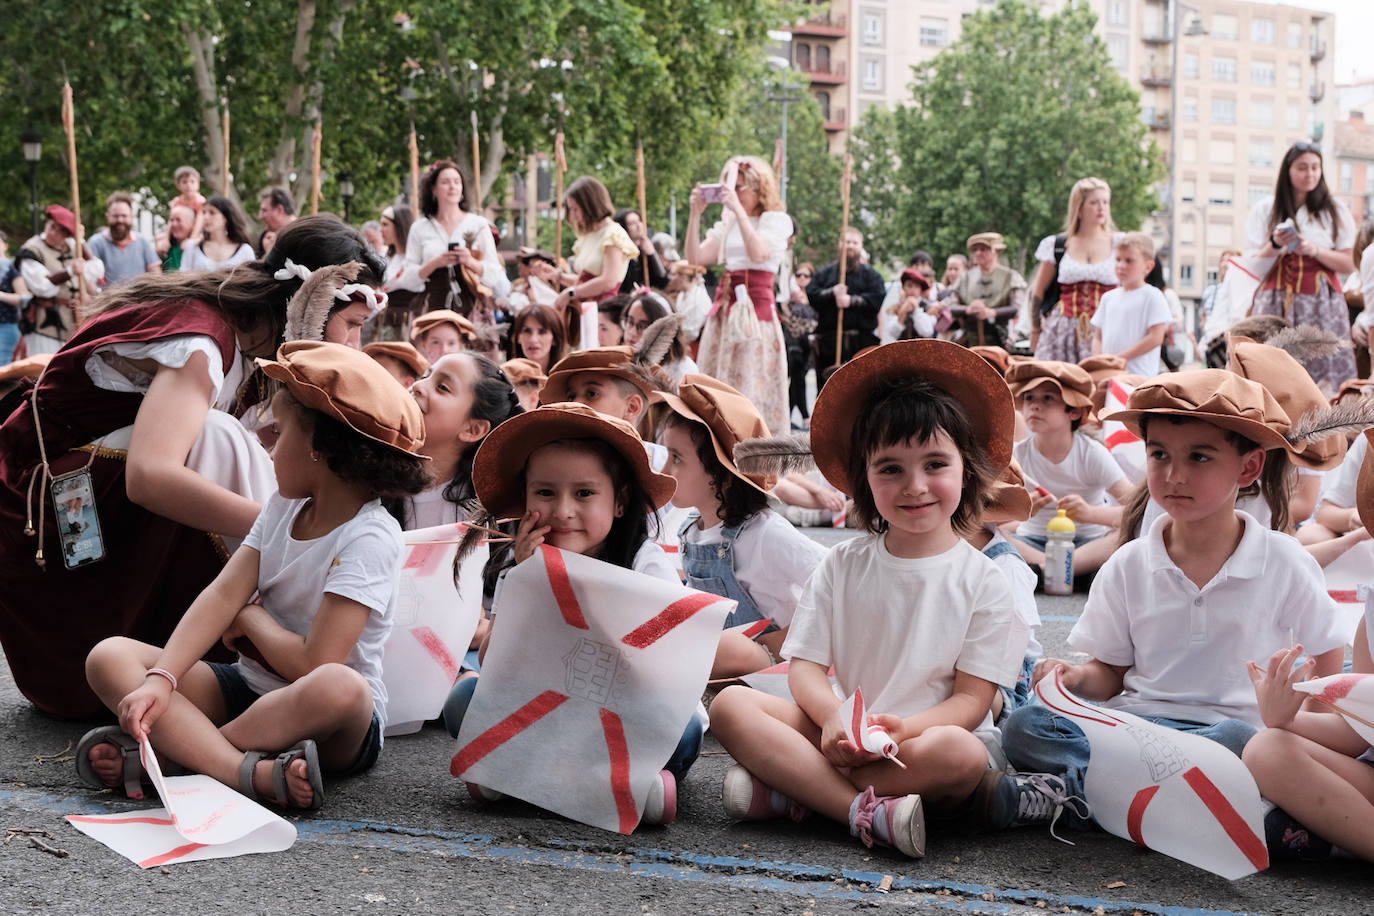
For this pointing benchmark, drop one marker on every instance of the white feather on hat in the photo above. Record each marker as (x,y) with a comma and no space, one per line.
(309,309)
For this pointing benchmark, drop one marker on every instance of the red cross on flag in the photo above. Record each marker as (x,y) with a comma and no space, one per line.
(1176,793)
(1126,447)
(591,675)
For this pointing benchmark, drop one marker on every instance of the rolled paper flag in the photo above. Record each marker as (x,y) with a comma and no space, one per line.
(872,738)
(1351,695)
(1038,489)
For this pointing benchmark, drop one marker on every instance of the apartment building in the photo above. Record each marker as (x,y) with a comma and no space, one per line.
(1352,175)
(1251,79)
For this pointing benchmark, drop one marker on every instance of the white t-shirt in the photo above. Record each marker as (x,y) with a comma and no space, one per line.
(1022,580)
(1338,487)
(773,226)
(193,257)
(773,560)
(653,560)
(1125,316)
(1316,231)
(429,509)
(899,628)
(359,560)
(1088,470)
(1187,647)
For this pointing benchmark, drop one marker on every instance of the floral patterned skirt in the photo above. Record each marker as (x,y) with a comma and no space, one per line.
(1325,309)
(757,367)
(1062,338)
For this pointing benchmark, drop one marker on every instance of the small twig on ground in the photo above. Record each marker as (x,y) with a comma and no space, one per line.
(33,836)
(63,756)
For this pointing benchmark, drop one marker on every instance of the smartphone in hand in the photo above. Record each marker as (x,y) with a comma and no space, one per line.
(712,193)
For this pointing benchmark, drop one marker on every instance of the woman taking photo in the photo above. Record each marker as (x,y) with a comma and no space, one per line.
(123,410)
(750,239)
(601,258)
(1082,262)
(450,253)
(1312,235)
(224,242)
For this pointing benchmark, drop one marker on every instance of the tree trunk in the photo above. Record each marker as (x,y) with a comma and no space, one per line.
(284,159)
(207,90)
(315,99)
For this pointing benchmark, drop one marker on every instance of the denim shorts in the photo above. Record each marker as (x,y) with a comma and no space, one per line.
(1040,541)
(238,696)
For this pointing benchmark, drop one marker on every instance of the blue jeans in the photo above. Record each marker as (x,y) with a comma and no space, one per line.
(1039,740)
(684,755)
(9,339)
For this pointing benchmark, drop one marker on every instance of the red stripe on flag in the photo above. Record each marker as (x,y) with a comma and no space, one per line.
(1235,826)
(171,855)
(424,558)
(505,730)
(87,819)
(658,626)
(1119,391)
(1137,813)
(670,548)
(757,627)
(562,588)
(426,637)
(857,726)
(1076,714)
(619,752)
(1344,596)
(1120,437)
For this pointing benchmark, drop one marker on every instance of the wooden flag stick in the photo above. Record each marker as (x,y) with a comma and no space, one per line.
(315,167)
(844,230)
(224,182)
(641,190)
(476,165)
(560,165)
(69,126)
(414,166)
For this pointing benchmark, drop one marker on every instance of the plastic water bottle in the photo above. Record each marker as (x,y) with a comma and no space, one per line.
(1059,555)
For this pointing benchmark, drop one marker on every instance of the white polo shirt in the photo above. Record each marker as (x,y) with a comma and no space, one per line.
(1338,487)
(1186,647)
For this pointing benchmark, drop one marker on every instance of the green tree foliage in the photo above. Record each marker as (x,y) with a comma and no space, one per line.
(1001,125)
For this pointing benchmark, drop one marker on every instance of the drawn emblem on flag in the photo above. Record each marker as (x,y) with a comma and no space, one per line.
(1174,792)
(591,675)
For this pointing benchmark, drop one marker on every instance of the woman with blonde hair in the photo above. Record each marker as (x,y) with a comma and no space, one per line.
(1076,268)
(746,351)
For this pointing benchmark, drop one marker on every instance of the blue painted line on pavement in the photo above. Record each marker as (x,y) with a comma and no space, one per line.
(1058,618)
(792,878)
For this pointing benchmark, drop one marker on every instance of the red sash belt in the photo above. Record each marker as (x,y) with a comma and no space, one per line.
(1299,274)
(759,284)
(586,276)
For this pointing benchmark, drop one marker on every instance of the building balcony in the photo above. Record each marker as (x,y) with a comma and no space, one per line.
(1316,92)
(825,25)
(1318,50)
(1157,120)
(837,119)
(1157,37)
(830,75)
(1156,77)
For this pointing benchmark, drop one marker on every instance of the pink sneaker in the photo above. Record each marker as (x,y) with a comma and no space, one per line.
(889,821)
(746,798)
(482,793)
(661,808)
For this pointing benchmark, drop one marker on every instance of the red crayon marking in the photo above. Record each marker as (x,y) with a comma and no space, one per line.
(1098,713)
(1119,391)
(171,855)
(505,730)
(1340,688)
(658,626)
(1344,596)
(1121,437)
(619,751)
(86,819)
(1041,490)
(757,627)
(562,588)
(856,725)
(1136,814)
(1235,826)
(426,637)
(424,558)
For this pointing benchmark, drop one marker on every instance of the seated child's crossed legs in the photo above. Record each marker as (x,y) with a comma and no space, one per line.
(332,704)
(778,743)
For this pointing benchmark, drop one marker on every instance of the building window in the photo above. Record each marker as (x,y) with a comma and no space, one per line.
(1221,193)
(804,57)
(1190,66)
(1261,113)
(1119,49)
(823,58)
(934,32)
(1224,69)
(1262,31)
(1295,34)
(1118,12)
(1185,274)
(823,99)
(1187,232)
(1223,111)
(1190,109)
(1293,118)
(1262,153)
(1347,177)
(1263,73)
(1295,76)
(1256,193)
(873,29)
(1224,26)
(1187,190)
(873,74)
(1188,149)
(1221,152)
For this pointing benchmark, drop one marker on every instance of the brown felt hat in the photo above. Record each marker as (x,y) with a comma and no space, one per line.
(1073,382)
(991,239)
(62,216)
(424,323)
(1100,389)
(399,350)
(1103,366)
(998,358)
(604,360)
(1008,500)
(523,371)
(351,387)
(498,469)
(1290,384)
(964,374)
(730,417)
(1214,396)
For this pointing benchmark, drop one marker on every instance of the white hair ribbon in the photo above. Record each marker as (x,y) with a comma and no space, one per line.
(292,269)
(376,299)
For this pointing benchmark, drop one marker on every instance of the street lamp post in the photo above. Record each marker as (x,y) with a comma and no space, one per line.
(787,97)
(1195,28)
(346,191)
(33,151)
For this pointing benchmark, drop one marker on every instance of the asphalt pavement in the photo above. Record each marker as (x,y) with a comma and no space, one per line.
(405,838)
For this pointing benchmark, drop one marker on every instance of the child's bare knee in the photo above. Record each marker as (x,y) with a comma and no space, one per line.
(961,754)
(339,688)
(731,706)
(107,652)
(1270,746)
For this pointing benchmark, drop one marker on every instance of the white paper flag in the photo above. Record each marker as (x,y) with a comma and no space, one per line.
(1126,447)
(1176,793)
(590,677)
(432,627)
(202,819)
(1346,578)
(872,738)
(1351,695)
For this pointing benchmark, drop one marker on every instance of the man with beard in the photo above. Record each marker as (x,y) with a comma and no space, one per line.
(857,299)
(126,253)
(180,222)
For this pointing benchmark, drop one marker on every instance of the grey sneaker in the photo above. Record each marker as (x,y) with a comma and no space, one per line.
(1005,800)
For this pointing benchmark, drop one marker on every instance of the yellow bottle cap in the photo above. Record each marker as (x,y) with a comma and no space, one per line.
(1062,522)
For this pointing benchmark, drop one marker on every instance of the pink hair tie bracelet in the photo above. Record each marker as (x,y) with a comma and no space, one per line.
(163,672)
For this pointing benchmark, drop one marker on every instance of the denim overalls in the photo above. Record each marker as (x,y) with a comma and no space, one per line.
(711,568)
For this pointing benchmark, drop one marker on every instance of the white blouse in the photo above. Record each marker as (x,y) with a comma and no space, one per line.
(1071,271)
(428,240)
(1317,231)
(193,257)
(773,226)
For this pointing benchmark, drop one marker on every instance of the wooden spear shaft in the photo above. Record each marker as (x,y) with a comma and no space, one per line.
(315,167)
(69,126)
(844,230)
(224,182)
(642,190)
(476,165)
(414,165)
(560,165)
